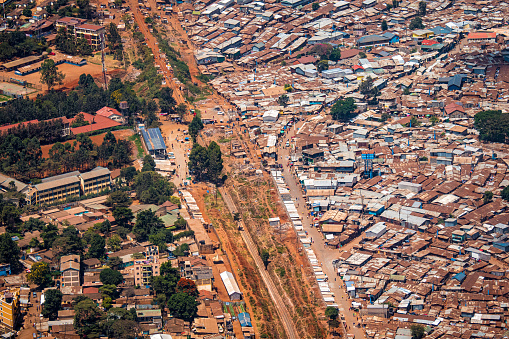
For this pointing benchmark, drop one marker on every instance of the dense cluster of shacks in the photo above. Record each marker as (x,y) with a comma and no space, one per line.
(220,299)
(429,247)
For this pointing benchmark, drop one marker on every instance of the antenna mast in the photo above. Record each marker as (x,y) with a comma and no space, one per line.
(103,64)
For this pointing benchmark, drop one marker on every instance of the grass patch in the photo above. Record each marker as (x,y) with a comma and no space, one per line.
(224,140)
(137,141)
(4,98)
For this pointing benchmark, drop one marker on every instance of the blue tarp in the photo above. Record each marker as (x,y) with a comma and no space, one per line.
(245,319)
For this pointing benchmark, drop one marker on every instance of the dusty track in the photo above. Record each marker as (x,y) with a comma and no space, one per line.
(152,44)
(282,311)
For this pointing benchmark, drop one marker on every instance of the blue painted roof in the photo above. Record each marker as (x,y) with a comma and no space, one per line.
(245,319)
(441,30)
(153,139)
(460,276)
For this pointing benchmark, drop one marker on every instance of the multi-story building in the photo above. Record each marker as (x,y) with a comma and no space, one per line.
(91,33)
(95,181)
(72,184)
(79,27)
(70,268)
(143,270)
(9,307)
(55,188)
(69,23)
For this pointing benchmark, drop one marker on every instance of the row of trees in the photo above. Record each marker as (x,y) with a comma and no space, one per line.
(22,158)
(17,44)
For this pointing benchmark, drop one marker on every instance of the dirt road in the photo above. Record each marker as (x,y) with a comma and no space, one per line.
(153,45)
(324,254)
(282,311)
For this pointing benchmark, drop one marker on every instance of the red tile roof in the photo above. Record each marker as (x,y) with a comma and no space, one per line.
(108,112)
(356,67)
(481,35)
(453,107)
(97,122)
(8,127)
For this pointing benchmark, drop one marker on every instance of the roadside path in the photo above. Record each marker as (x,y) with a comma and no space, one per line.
(153,45)
(324,254)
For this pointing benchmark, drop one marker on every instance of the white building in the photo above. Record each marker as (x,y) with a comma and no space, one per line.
(376,231)
(231,285)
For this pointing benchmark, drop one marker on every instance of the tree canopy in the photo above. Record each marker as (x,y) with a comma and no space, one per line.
(206,164)
(40,274)
(109,276)
(153,188)
(9,252)
(52,303)
(195,127)
(50,74)
(492,125)
(416,23)
(343,110)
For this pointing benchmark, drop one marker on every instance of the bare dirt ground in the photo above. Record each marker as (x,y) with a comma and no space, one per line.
(96,139)
(258,302)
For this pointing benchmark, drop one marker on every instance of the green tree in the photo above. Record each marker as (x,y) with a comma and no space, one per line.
(422,8)
(331,312)
(384,25)
(434,120)
(265,255)
(52,304)
(198,162)
(50,75)
(103,227)
(195,127)
(180,224)
(335,55)
(147,223)
(395,3)
(283,100)
(115,263)
(69,242)
(49,235)
(322,50)
(416,23)
(152,188)
(487,197)
(109,290)
(123,216)
(9,252)
(417,331)
(118,199)
(114,242)
(343,109)
(27,12)
(167,102)
(492,125)
(505,193)
(87,318)
(128,173)
(315,6)
(322,65)
(111,277)
(215,162)
(97,247)
(10,217)
(385,116)
(40,274)
(183,306)
(149,164)
(362,55)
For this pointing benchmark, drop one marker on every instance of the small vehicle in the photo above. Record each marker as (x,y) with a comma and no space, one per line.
(220,113)
(34,294)
(287,143)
